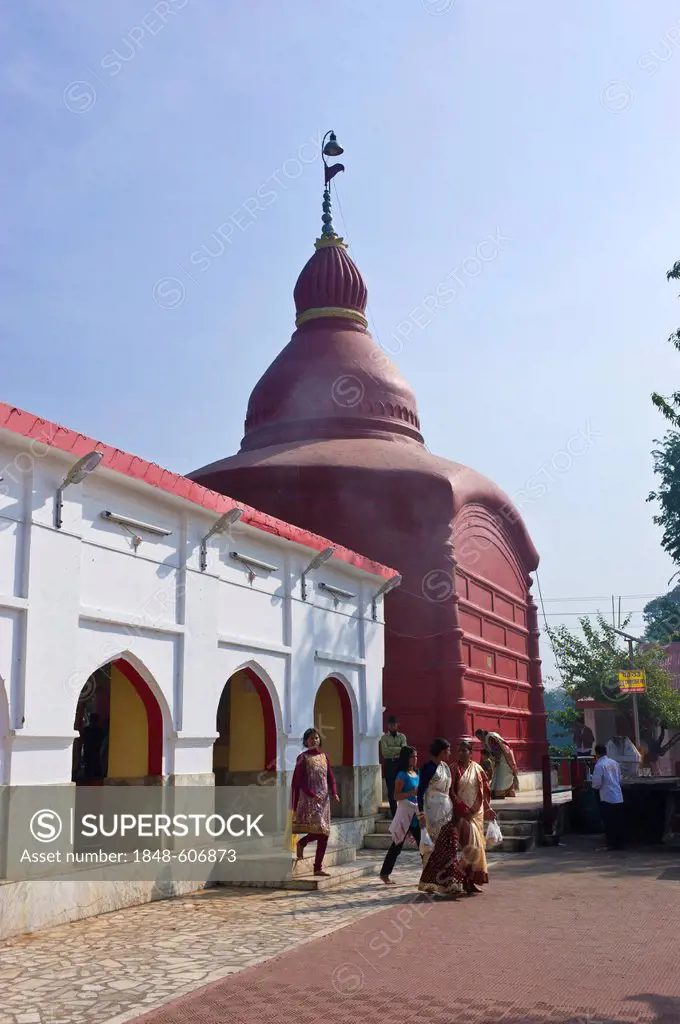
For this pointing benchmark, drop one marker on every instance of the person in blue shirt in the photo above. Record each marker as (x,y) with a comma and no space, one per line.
(606,781)
(405,819)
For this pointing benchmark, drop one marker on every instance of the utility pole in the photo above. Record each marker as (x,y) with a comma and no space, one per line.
(631,658)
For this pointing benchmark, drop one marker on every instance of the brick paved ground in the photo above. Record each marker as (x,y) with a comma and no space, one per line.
(566,936)
(561,936)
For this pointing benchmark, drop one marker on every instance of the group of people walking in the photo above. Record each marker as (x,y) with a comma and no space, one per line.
(453,807)
(497,760)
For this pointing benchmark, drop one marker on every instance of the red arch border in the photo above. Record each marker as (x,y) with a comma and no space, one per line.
(268,716)
(347,723)
(154,715)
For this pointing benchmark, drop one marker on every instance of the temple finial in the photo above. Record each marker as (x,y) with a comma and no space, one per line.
(329,148)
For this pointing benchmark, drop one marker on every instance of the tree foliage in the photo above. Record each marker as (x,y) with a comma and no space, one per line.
(589,667)
(562,716)
(662,618)
(666,456)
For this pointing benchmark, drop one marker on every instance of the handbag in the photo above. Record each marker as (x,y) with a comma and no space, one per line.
(494,836)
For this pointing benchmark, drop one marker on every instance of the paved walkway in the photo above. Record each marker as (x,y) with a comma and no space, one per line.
(563,936)
(114,967)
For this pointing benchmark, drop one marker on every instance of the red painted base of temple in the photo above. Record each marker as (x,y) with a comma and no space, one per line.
(333,444)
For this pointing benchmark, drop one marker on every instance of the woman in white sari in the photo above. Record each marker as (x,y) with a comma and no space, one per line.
(441,873)
(471,788)
(505,780)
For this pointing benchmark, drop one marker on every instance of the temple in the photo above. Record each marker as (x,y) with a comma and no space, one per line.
(333,443)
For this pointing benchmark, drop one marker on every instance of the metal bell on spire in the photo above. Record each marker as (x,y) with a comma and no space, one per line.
(329,148)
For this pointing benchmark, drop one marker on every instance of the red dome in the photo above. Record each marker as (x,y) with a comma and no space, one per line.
(330,280)
(331,380)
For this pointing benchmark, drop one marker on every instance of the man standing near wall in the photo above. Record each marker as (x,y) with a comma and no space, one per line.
(607,781)
(391,743)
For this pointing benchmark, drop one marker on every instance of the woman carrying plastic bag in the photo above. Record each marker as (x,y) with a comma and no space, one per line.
(471,788)
(426,846)
(494,836)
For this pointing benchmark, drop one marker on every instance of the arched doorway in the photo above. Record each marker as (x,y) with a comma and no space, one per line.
(120,726)
(245,751)
(333,720)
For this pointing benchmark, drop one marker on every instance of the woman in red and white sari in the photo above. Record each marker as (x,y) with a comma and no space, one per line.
(471,789)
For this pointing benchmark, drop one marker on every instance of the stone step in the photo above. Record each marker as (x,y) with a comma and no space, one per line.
(519,829)
(349,831)
(338,876)
(516,844)
(335,855)
(344,832)
(377,841)
(382,826)
(510,813)
(383,841)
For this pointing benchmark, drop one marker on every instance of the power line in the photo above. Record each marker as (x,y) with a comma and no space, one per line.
(557,660)
(598,612)
(605,597)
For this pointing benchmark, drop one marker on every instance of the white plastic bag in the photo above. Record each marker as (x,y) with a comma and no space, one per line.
(494,836)
(426,844)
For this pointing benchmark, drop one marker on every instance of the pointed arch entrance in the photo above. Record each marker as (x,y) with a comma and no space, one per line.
(245,750)
(120,726)
(333,720)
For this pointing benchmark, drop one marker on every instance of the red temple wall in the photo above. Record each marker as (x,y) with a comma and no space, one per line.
(437,679)
(501,682)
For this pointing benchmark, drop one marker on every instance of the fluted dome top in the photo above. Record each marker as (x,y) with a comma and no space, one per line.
(330,284)
(331,380)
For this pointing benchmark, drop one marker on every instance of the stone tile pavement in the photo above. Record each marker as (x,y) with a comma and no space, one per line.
(115,967)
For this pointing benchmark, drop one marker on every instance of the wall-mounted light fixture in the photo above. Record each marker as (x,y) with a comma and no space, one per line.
(222,524)
(318,560)
(135,524)
(336,593)
(388,585)
(75,475)
(253,563)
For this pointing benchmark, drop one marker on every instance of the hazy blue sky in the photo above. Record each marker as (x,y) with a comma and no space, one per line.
(132,130)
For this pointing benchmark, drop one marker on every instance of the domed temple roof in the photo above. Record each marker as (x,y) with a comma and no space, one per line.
(331,380)
(332,396)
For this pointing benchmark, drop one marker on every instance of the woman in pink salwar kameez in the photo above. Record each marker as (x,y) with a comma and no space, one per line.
(313,788)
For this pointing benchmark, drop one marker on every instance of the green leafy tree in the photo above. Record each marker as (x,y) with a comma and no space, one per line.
(662,618)
(589,666)
(562,716)
(666,458)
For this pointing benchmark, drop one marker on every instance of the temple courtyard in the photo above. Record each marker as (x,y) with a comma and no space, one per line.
(560,935)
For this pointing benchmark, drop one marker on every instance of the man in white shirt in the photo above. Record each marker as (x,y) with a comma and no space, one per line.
(607,782)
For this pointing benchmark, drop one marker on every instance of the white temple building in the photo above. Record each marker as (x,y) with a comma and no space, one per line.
(180,624)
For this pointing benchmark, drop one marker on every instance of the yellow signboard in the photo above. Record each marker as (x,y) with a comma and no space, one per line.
(632,681)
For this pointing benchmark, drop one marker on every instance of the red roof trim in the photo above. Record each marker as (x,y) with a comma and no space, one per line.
(28,425)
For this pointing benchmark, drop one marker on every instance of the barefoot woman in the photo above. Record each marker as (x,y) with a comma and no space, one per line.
(441,874)
(405,819)
(313,787)
(471,788)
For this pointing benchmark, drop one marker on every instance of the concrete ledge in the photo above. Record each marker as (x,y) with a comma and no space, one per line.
(32,906)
